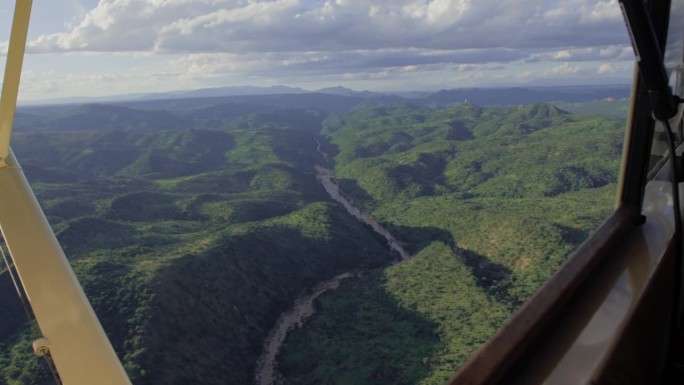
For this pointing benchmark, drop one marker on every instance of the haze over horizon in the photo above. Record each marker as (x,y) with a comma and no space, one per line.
(111,47)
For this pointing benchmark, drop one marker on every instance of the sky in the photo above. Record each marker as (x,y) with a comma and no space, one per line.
(110,47)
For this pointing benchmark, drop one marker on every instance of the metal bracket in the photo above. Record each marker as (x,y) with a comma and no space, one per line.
(41,346)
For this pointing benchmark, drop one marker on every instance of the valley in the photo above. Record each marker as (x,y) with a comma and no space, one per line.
(195,225)
(303,308)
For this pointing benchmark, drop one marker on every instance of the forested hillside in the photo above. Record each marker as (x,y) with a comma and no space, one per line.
(193,226)
(189,242)
(490,200)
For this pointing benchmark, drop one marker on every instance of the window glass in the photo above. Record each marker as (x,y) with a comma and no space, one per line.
(674,64)
(320,236)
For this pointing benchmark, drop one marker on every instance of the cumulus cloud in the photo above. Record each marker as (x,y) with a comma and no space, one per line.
(605,68)
(51,83)
(599,53)
(563,69)
(213,40)
(319,64)
(614,68)
(297,25)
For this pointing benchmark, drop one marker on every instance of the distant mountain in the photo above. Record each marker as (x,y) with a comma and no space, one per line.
(516,96)
(229,106)
(410,94)
(339,90)
(214,106)
(181,113)
(198,93)
(480,96)
(228,91)
(100,117)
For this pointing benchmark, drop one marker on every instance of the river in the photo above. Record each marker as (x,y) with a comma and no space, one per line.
(300,312)
(325,176)
(303,308)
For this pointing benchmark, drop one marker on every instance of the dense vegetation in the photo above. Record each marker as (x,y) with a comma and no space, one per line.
(188,239)
(490,200)
(193,226)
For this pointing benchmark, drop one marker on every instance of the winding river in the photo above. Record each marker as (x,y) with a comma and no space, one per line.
(294,318)
(303,308)
(325,176)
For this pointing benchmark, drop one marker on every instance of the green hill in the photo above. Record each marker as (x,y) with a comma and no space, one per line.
(187,238)
(490,200)
(192,226)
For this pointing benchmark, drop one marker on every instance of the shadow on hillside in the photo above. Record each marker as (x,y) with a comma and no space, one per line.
(330,149)
(415,239)
(420,178)
(117,295)
(571,235)
(362,335)
(355,193)
(36,174)
(231,295)
(494,278)
(88,234)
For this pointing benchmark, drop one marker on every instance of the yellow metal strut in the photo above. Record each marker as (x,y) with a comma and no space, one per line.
(72,334)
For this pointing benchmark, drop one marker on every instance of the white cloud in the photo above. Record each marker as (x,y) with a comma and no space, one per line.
(605,68)
(466,67)
(296,25)
(615,68)
(218,42)
(598,12)
(51,84)
(563,69)
(525,75)
(610,52)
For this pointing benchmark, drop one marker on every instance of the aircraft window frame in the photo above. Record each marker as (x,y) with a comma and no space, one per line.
(673,59)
